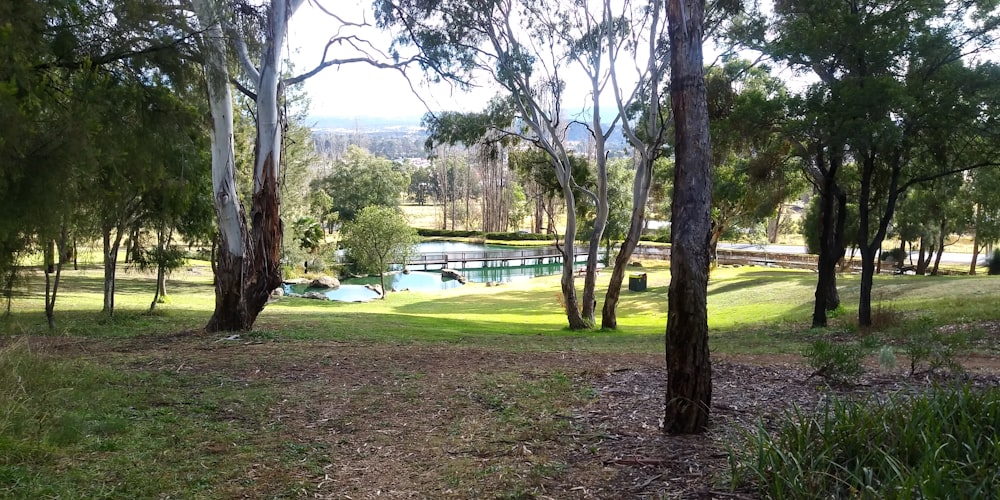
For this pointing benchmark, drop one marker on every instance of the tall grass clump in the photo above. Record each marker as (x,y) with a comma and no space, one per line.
(944,443)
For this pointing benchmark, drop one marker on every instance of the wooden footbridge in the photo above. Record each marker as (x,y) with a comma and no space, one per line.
(490,258)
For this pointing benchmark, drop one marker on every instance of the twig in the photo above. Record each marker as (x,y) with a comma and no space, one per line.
(636,461)
(648,482)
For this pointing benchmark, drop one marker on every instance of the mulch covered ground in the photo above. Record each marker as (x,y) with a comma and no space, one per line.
(414,421)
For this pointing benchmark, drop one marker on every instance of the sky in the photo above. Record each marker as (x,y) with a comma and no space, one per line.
(359,90)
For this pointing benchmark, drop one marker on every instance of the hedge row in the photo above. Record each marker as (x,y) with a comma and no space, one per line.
(479,234)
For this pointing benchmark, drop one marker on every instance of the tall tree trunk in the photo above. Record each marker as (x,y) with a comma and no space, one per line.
(567,282)
(940,246)
(715,234)
(647,137)
(111,247)
(689,372)
(869,246)
(161,273)
(600,220)
(539,208)
(867,280)
(640,194)
(975,253)
(774,225)
(923,260)
(833,213)
(233,243)
(248,267)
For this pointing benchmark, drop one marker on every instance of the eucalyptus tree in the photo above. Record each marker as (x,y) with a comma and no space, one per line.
(752,172)
(894,77)
(248,262)
(529,48)
(645,41)
(689,369)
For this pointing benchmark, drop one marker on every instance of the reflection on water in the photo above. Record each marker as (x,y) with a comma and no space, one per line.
(497,273)
(493,271)
(346,293)
(414,280)
(355,289)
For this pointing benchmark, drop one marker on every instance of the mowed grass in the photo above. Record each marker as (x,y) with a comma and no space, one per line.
(751,310)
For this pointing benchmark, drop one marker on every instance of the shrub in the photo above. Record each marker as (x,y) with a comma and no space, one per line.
(887,358)
(658,238)
(836,363)
(940,444)
(993,263)
(935,351)
(519,236)
(885,316)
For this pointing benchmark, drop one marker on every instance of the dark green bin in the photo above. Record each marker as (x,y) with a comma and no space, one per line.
(637,282)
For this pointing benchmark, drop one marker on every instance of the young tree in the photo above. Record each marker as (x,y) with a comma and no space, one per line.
(377,237)
(689,369)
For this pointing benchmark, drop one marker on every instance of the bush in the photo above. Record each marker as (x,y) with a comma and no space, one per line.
(885,316)
(836,363)
(993,263)
(658,238)
(940,444)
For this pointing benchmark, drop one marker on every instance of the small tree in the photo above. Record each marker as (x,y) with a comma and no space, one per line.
(377,237)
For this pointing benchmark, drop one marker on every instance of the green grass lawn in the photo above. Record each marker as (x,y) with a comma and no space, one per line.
(751,309)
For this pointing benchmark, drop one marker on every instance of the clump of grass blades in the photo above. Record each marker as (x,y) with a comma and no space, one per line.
(941,444)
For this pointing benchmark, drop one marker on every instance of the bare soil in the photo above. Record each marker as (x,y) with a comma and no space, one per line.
(422,421)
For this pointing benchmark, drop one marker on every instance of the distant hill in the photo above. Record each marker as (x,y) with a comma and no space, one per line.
(364,124)
(403,136)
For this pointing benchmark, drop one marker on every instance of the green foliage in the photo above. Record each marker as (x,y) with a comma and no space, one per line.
(448,233)
(518,236)
(360,180)
(620,178)
(940,444)
(309,234)
(751,170)
(535,165)
(836,362)
(378,236)
(810,225)
(929,347)
(661,236)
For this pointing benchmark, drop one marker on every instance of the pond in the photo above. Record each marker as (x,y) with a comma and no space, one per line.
(358,289)
(428,277)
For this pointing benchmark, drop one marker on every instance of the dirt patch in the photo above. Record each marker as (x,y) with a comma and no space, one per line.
(431,421)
